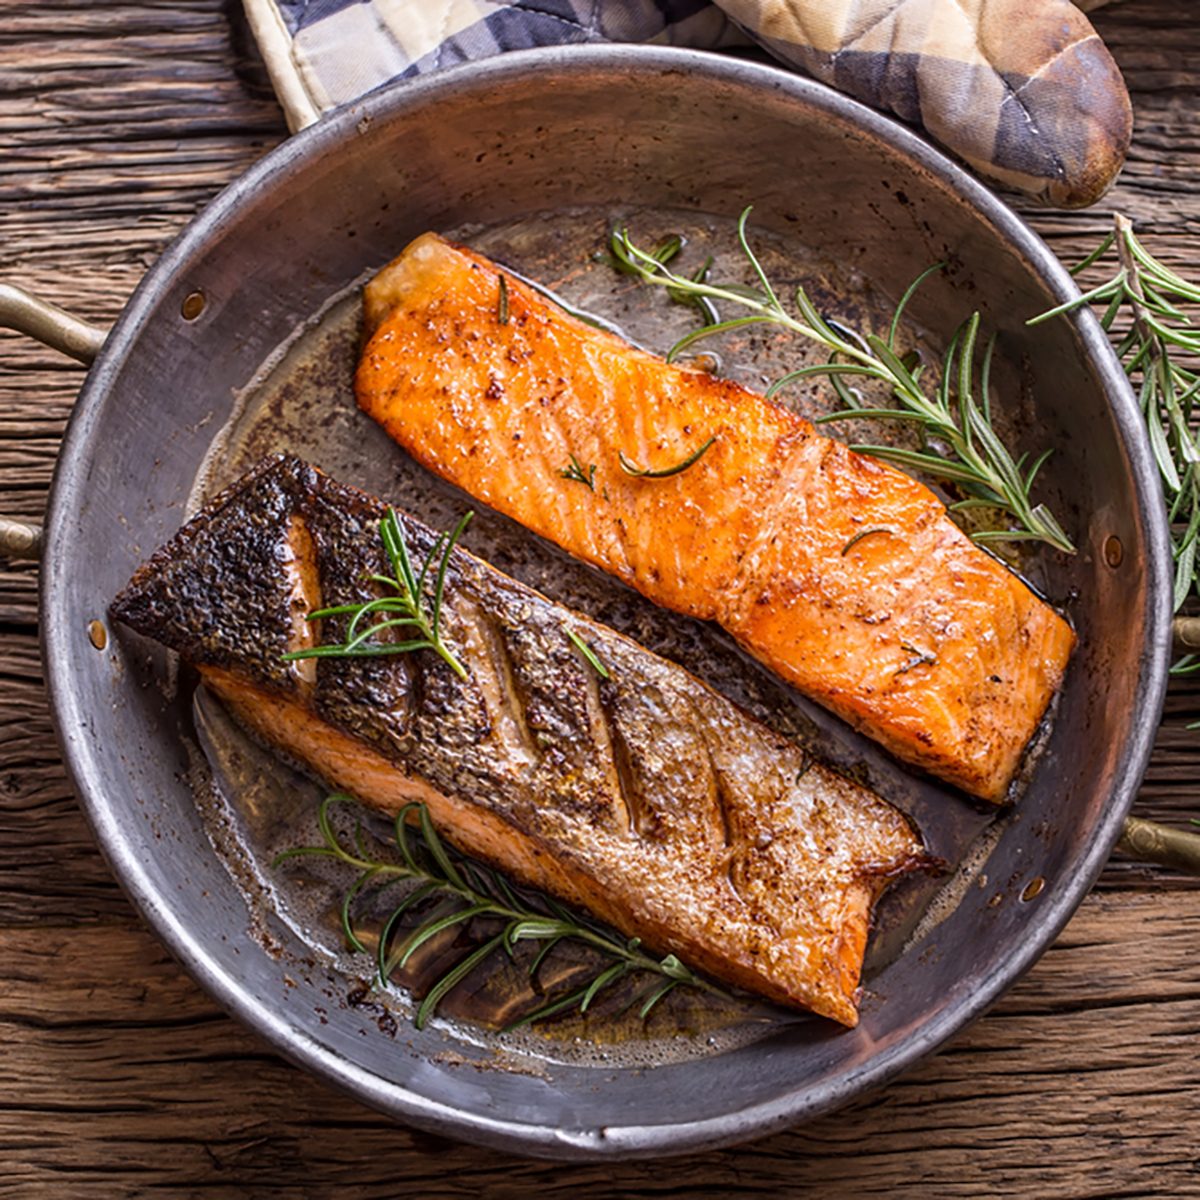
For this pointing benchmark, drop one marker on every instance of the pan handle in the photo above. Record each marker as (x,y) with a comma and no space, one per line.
(1186,632)
(1148,841)
(49,324)
(58,329)
(19,539)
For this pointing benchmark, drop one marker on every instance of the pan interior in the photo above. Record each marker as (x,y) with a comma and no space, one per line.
(531,158)
(302,402)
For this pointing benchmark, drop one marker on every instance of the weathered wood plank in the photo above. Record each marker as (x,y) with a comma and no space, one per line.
(134,1077)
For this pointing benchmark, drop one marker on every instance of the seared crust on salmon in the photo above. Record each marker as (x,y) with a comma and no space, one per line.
(846,577)
(644,797)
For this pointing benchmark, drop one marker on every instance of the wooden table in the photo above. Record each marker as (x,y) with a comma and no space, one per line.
(119,1076)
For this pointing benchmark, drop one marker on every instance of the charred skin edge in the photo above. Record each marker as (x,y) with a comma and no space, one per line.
(159,593)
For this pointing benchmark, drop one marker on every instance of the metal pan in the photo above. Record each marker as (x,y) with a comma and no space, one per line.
(577,136)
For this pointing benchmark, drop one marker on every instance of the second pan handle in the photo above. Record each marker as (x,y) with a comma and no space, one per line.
(58,329)
(1148,841)
(49,324)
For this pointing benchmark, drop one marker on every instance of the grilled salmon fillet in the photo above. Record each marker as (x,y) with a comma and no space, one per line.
(645,798)
(845,576)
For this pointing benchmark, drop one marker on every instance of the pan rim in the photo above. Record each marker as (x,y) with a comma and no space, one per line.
(297,1043)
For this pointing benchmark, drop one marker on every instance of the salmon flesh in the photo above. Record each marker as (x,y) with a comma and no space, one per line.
(846,577)
(645,798)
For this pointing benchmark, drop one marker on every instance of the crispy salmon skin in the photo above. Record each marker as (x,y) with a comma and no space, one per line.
(644,797)
(845,576)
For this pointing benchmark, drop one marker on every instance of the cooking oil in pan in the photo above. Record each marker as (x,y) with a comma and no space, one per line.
(302,403)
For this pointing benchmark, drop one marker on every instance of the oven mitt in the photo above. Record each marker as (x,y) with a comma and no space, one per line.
(1022,90)
(322,53)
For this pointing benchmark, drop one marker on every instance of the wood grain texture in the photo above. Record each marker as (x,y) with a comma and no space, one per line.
(1075,1085)
(119,1077)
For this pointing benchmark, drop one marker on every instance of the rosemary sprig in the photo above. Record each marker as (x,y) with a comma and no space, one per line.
(863,533)
(434,869)
(663,253)
(406,608)
(919,658)
(588,653)
(578,473)
(1159,332)
(960,445)
(631,468)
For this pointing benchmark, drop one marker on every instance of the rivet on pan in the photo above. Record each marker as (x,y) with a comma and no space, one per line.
(193,305)
(1033,888)
(1113,550)
(97,634)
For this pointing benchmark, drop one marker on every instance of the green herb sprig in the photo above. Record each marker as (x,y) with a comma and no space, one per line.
(1160,335)
(577,472)
(408,606)
(865,533)
(435,870)
(960,445)
(593,659)
(631,468)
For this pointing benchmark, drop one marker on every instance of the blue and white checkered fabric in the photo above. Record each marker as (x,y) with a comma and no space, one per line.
(336,50)
(1022,90)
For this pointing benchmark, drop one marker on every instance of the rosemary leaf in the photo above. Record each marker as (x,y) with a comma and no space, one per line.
(438,872)
(707,331)
(872,414)
(347,901)
(920,462)
(830,369)
(675,969)
(410,901)
(862,533)
(552,1009)
(658,993)
(537,928)
(430,930)
(400,828)
(637,472)
(452,979)
(437,849)
(592,657)
(1158,353)
(910,291)
(410,600)
(543,954)
(578,473)
(506,894)
(603,980)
